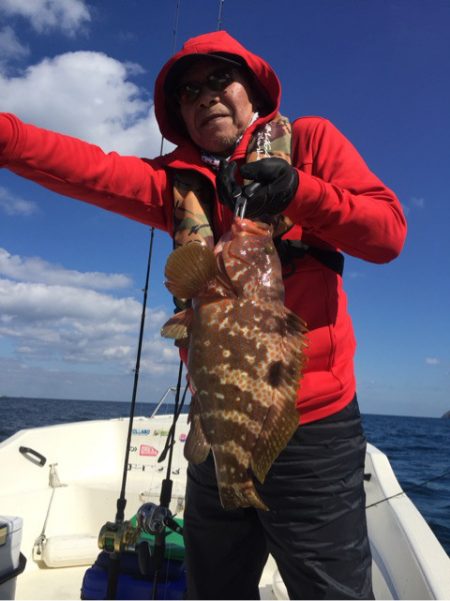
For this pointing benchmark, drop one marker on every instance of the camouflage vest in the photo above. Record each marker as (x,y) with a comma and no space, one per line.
(193,196)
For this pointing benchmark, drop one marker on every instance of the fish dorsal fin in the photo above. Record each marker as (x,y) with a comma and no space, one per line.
(282,419)
(188,269)
(282,423)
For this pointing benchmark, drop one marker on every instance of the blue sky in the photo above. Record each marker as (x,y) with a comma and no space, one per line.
(71,275)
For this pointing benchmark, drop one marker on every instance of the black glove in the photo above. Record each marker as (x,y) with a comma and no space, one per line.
(275,183)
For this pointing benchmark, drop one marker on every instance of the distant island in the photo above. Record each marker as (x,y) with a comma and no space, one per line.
(446,415)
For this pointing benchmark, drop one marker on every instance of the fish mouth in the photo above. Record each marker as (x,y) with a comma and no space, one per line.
(247,227)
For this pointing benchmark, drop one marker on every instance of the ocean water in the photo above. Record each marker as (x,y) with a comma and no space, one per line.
(418,448)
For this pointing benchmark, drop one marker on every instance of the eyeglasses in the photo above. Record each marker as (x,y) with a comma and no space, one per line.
(217,81)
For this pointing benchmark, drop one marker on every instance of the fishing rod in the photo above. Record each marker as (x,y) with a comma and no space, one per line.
(121,503)
(154,519)
(151,518)
(116,536)
(160,516)
(110,536)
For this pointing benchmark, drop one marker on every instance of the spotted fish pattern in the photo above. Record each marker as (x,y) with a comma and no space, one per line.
(246,353)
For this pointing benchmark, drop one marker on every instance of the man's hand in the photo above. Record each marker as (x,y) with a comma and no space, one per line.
(275,183)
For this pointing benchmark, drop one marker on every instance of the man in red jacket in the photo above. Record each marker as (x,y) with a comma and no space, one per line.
(219,104)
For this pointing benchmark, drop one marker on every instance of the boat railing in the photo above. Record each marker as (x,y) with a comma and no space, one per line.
(162,400)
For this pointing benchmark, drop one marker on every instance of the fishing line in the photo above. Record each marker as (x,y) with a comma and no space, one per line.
(166,485)
(171,436)
(410,488)
(174,44)
(121,503)
(175,27)
(113,572)
(219,17)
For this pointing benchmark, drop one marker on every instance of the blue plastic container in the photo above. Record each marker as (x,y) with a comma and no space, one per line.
(131,584)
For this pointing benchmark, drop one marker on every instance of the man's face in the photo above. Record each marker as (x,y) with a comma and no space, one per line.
(216,119)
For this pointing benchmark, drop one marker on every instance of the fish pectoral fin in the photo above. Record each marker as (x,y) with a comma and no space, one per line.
(188,269)
(178,326)
(196,448)
(244,495)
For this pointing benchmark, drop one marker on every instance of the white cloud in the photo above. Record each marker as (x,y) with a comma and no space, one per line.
(355,275)
(117,351)
(87,95)
(432,361)
(39,302)
(418,203)
(68,16)
(60,317)
(12,204)
(35,269)
(414,203)
(69,325)
(10,46)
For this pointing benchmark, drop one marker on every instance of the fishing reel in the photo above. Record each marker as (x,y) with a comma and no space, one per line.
(118,537)
(152,519)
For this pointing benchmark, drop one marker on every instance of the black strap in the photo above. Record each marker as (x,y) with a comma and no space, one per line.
(289,250)
(330,258)
(20,568)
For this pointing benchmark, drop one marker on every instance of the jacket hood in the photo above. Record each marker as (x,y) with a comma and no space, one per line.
(217,42)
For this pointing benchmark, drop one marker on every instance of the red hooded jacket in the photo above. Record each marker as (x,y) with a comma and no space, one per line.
(340,204)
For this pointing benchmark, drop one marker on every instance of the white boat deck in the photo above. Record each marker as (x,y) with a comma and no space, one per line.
(409,562)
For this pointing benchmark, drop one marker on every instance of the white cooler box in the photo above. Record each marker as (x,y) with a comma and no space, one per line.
(12,563)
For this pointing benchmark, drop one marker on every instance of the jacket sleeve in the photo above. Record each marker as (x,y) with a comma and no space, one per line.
(136,188)
(339,200)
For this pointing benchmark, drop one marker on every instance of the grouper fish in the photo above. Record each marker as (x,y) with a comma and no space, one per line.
(245,356)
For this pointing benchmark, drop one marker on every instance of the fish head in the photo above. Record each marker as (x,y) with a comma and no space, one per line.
(248,257)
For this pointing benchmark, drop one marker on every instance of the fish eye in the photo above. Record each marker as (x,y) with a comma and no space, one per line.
(269,249)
